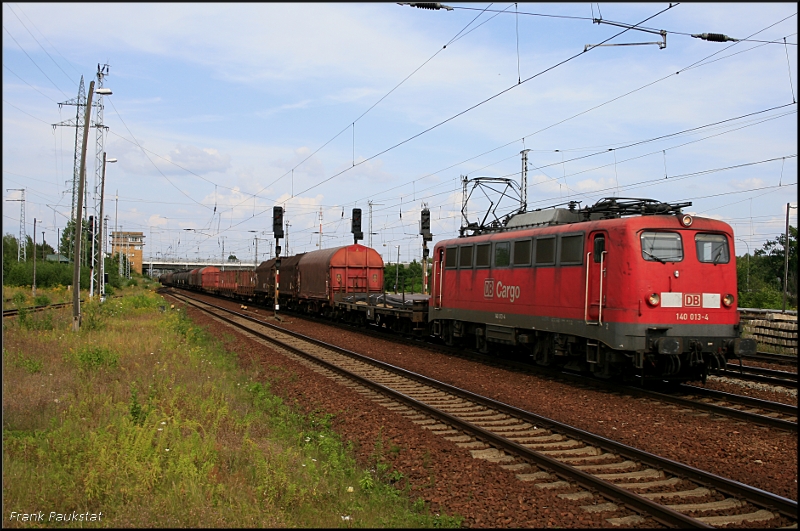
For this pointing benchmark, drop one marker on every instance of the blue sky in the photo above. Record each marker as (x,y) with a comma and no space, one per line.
(221,111)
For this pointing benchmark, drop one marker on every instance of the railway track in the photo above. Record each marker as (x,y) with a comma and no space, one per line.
(11,312)
(769,357)
(633,485)
(759,374)
(739,407)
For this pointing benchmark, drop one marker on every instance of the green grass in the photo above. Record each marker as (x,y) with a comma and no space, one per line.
(146,417)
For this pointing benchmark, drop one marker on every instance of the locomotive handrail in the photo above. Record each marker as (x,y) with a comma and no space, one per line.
(586,297)
(600,299)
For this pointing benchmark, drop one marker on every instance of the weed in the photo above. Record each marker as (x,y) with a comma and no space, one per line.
(31,365)
(42,300)
(366,482)
(94,357)
(92,316)
(19,299)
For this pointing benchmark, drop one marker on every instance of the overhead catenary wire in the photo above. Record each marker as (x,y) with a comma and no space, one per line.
(697,64)
(34,62)
(490,98)
(40,45)
(456,37)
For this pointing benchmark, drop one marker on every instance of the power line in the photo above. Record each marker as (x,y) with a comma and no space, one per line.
(593,19)
(151,160)
(697,64)
(560,63)
(40,44)
(34,62)
(352,124)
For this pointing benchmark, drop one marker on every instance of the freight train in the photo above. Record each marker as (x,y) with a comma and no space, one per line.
(626,288)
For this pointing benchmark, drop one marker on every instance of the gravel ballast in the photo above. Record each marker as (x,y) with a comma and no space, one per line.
(450,480)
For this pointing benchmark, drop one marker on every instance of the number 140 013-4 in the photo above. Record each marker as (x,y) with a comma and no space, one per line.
(691,316)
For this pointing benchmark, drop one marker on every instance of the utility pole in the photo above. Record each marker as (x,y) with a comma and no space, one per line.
(287,238)
(370,203)
(76,276)
(319,245)
(523,190)
(102,251)
(80,143)
(397,270)
(34,256)
(21,253)
(92,223)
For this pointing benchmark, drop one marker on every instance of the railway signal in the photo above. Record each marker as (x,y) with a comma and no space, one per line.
(277,222)
(277,229)
(425,231)
(355,226)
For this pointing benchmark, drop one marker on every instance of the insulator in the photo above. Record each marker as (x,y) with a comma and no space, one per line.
(713,37)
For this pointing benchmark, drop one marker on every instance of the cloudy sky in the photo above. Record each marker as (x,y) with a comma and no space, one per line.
(221,111)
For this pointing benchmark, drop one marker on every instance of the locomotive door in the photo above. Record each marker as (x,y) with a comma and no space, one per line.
(595,279)
(438,274)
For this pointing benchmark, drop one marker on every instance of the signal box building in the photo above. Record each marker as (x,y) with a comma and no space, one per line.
(130,244)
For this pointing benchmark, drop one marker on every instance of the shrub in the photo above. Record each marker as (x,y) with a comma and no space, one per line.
(42,300)
(94,357)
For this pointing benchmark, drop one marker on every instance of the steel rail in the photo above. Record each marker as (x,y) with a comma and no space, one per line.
(10,312)
(719,410)
(777,407)
(659,512)
(780,359)
(785,375)
(752,377)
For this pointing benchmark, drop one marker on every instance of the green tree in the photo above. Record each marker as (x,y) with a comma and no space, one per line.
(760,276)
(10,244)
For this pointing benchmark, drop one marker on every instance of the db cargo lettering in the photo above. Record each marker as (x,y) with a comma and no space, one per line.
(507,292)
(492,289)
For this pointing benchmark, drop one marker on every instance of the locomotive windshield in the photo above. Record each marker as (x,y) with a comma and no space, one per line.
(662,247)
(712,248)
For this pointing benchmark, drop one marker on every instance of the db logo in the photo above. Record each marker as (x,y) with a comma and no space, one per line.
(691,299)
(488,288)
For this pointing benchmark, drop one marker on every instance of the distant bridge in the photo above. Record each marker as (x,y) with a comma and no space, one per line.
(158,266)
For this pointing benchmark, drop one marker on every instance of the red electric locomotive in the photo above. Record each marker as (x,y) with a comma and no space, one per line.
(625,287)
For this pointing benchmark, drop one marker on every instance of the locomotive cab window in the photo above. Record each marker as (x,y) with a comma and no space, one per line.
(522,253)
(483,255)
(571,252)
(502,254)
(662,247)
(546,251)
(599,247)
(712,248)
(450,257)
(465,257)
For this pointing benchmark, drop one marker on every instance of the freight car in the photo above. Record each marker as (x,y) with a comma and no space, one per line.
(626,287)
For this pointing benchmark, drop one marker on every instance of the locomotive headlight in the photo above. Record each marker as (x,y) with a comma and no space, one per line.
(686,220)
(727,300)
(653,299)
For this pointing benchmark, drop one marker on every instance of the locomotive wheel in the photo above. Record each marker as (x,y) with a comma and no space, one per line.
(447,334)
(481,344)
